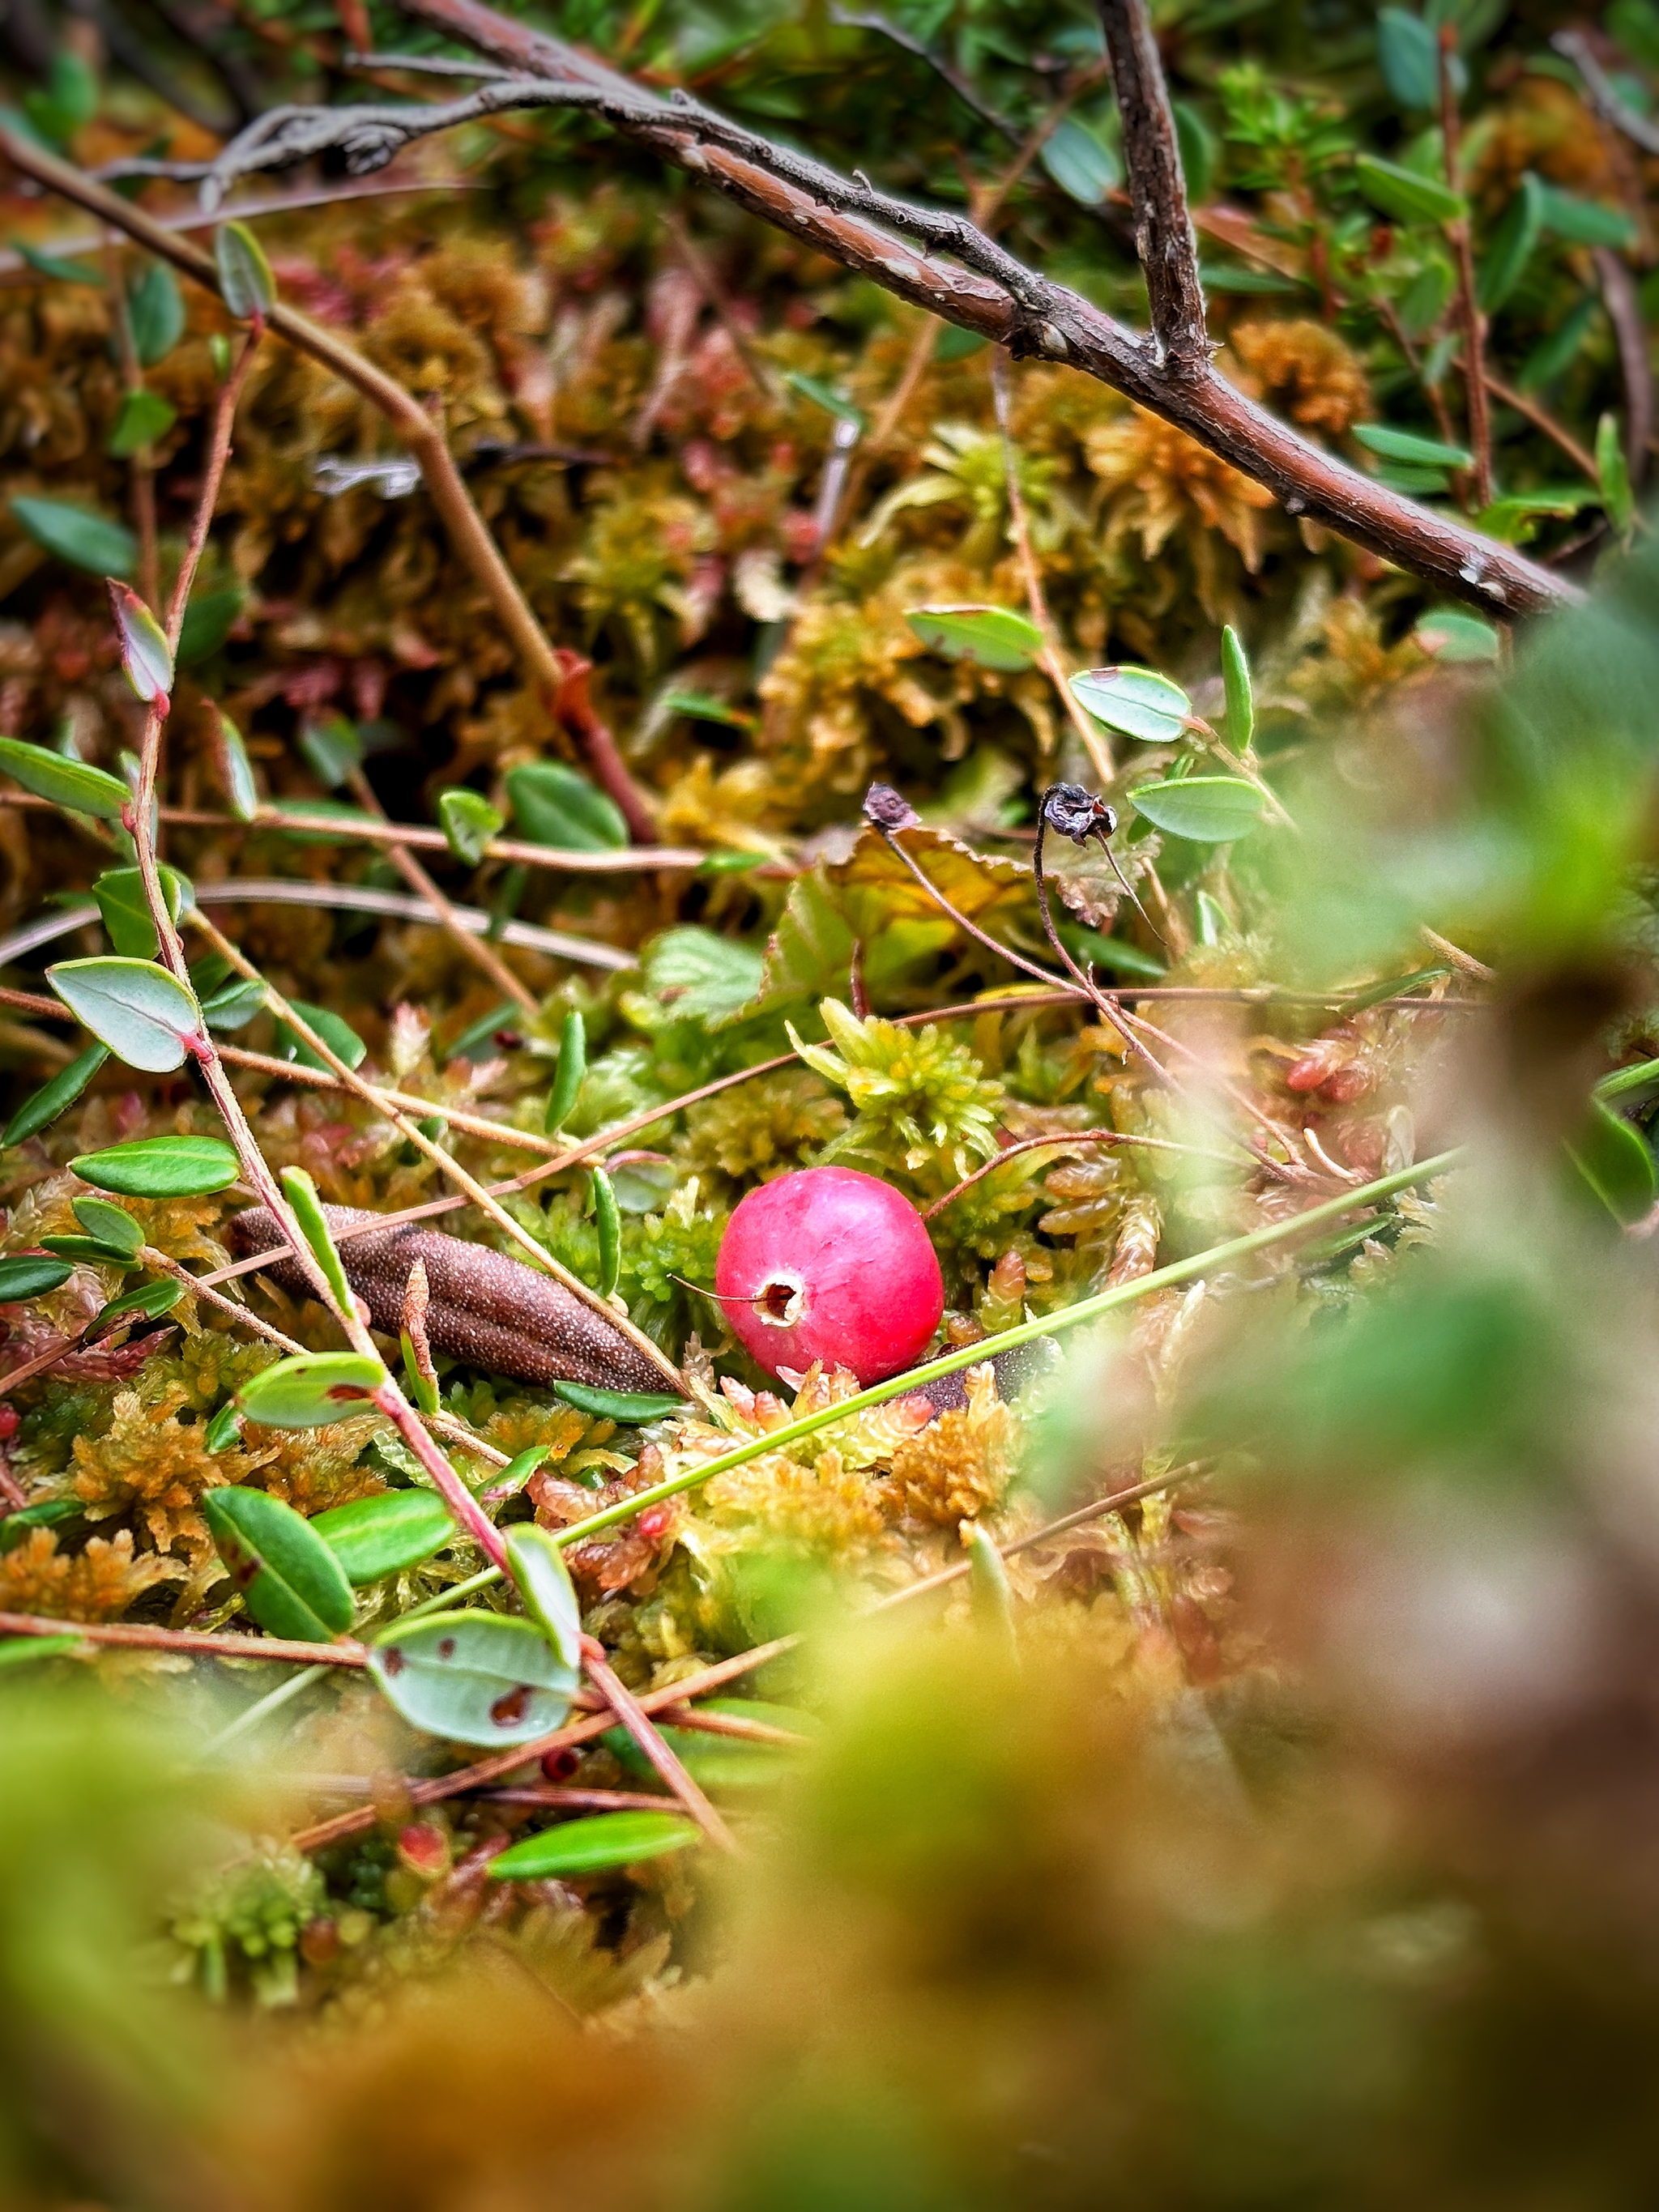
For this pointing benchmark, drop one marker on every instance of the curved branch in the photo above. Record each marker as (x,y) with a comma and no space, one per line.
(1037,317)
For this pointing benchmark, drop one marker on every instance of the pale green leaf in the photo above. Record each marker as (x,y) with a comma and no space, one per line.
(480,1678)
(311,1389)
(145,1016)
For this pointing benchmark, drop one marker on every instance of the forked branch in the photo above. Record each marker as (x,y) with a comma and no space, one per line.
(956,272)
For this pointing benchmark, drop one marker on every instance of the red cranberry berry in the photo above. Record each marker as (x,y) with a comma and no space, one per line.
(830,1265)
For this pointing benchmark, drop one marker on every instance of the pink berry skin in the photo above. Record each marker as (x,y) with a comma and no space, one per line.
(830,1265)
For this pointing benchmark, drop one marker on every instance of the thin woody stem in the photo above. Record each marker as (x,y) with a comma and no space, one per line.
(445,1162)
(478,949)
(1468,307)
(1158,190)
(634,1717)
(1067,1140)
(388,1398)
(136,1636)
(332,829)
(1094,742)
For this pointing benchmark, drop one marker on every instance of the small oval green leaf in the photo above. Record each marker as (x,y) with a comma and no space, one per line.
(1240,721)
(572,1071)
(76,534)
(1410,56)
(374,1537)
(1137,702)
(28,1275)
(235,1004)
(301,1195)
(1405,445)
(125,910)
(71,783)
(1081,162)
(236,769)
(342,1039)
(722,1762)
(311,1389)
(291,1581)
(88,1249)
(110,1223)
(246,282)
(1617,1162)
(553,805)
(144,1015)
(1405,195)
(479,1678)
(537,1565)
(1212,809)
(1454,637)
(518,1470)
(226,1426)
(149,1301)
(608,1221)
(469,821)
(635,1406)
(333,749)
(590,1846)
(161,1167)
(157,308)
(208,622)
(1585,222)
(1512,246)
(996,637)
(20,1651)
(144,417)
(43,1106)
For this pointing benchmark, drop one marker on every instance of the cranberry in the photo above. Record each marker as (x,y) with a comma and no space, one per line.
(830,1265)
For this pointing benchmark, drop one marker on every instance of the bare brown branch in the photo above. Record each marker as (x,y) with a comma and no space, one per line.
(1030,315)
(1157,189)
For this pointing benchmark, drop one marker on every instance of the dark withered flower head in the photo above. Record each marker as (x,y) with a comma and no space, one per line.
(885,810)
(1077,813)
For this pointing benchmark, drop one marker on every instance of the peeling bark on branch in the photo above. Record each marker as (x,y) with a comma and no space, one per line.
(1158,190)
